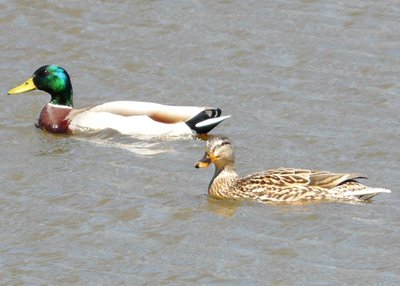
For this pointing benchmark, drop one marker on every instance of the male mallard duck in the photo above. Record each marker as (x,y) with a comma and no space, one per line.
(127,117)
(278,185)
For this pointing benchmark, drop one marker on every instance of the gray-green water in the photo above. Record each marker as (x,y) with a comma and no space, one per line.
(311,84)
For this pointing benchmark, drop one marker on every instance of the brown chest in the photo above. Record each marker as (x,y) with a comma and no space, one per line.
(55,118)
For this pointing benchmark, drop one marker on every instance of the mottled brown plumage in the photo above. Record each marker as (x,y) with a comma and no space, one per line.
(279,185)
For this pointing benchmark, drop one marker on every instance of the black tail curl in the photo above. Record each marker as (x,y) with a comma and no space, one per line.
(202,116)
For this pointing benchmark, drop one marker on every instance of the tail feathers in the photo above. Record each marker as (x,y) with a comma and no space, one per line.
(206,120)
(368,193)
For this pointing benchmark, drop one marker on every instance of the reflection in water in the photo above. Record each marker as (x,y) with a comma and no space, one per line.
(226,208)
(111,138)
(52,144)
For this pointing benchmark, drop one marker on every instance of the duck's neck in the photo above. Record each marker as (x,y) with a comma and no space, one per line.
(222,181)
(63,97)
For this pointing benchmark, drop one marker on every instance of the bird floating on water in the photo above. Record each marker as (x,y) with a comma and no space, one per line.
(127,117)
(279,185)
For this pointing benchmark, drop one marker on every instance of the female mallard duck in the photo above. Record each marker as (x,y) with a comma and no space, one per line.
(127,117)
(279,185)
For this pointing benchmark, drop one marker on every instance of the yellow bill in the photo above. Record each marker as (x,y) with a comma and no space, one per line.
(26,86)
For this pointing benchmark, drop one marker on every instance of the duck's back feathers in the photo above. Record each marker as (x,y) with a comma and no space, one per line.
(158,112)
(278,185)
(330,180)
(145,118)
(178,120)
(290,176)
(287,184)
(322,179)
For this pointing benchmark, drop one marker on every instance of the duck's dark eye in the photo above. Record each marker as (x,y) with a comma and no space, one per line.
(225,143)
(43,72)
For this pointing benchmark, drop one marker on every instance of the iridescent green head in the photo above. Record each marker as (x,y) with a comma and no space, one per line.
(51,79)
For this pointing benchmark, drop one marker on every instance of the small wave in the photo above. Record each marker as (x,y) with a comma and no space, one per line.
(112,139)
